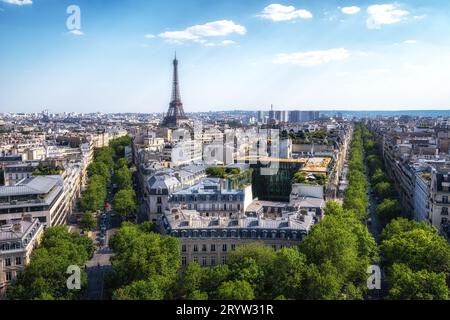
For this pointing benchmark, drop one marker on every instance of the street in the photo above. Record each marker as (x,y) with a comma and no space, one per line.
(100,263)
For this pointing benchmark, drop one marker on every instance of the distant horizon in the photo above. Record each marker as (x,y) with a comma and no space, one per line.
(248,110)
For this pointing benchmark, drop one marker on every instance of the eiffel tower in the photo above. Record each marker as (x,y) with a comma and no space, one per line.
(175,116)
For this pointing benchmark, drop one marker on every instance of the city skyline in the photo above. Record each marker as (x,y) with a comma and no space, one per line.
(327,55)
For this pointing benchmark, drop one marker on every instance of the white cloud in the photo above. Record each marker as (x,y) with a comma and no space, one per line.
(18,2)
(149,36)
(312,58)
(351,10)
(410,41)
(228,42)
(277,12)
(77,32)
(223,43)
(197,33)
(380,14)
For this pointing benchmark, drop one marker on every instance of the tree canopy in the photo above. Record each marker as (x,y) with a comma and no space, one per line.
(142,256)
(45,277)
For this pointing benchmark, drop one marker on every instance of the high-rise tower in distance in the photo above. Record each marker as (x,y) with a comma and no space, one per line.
(175,116)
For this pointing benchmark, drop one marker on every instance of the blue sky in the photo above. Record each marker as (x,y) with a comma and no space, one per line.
(246,54)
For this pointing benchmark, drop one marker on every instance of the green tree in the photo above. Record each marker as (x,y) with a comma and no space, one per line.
(88,221)
(322,282)
(388,209)
(400,225)
(118,145)
(124,202)
(332,240)
(122,162)
(141,290)
(384,190)
(252,263)
(216,172)
(287,273)
(250,271)
(333,208)
(45,276)
(122,177)
(213,277)
(192,280)
(344,242)
(99,168)
(104,155)
(405,284)
(235,290)
(378,176)
(142,255)
(418,249)
(262,254)
(95,194)
(374,162)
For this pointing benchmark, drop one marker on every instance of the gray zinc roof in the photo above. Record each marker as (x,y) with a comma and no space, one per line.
(34,185)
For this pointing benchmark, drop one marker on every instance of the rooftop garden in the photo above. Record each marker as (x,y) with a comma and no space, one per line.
(44,170)
(237,177)
(317,179)
(302,137)
(426,176)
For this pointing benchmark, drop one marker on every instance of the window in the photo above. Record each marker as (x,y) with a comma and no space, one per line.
(213,261)
(239,206)
(233,247)
(7,262)
(204,261)
(183,248)
(195,259)
(159,209)
(213,248)
(224,206)
(183,261)
(8,275)
(18,261)
(444,211)
(158,200)
(224,260)
(195,248)
(445,199)
(204,248)
(224,247)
